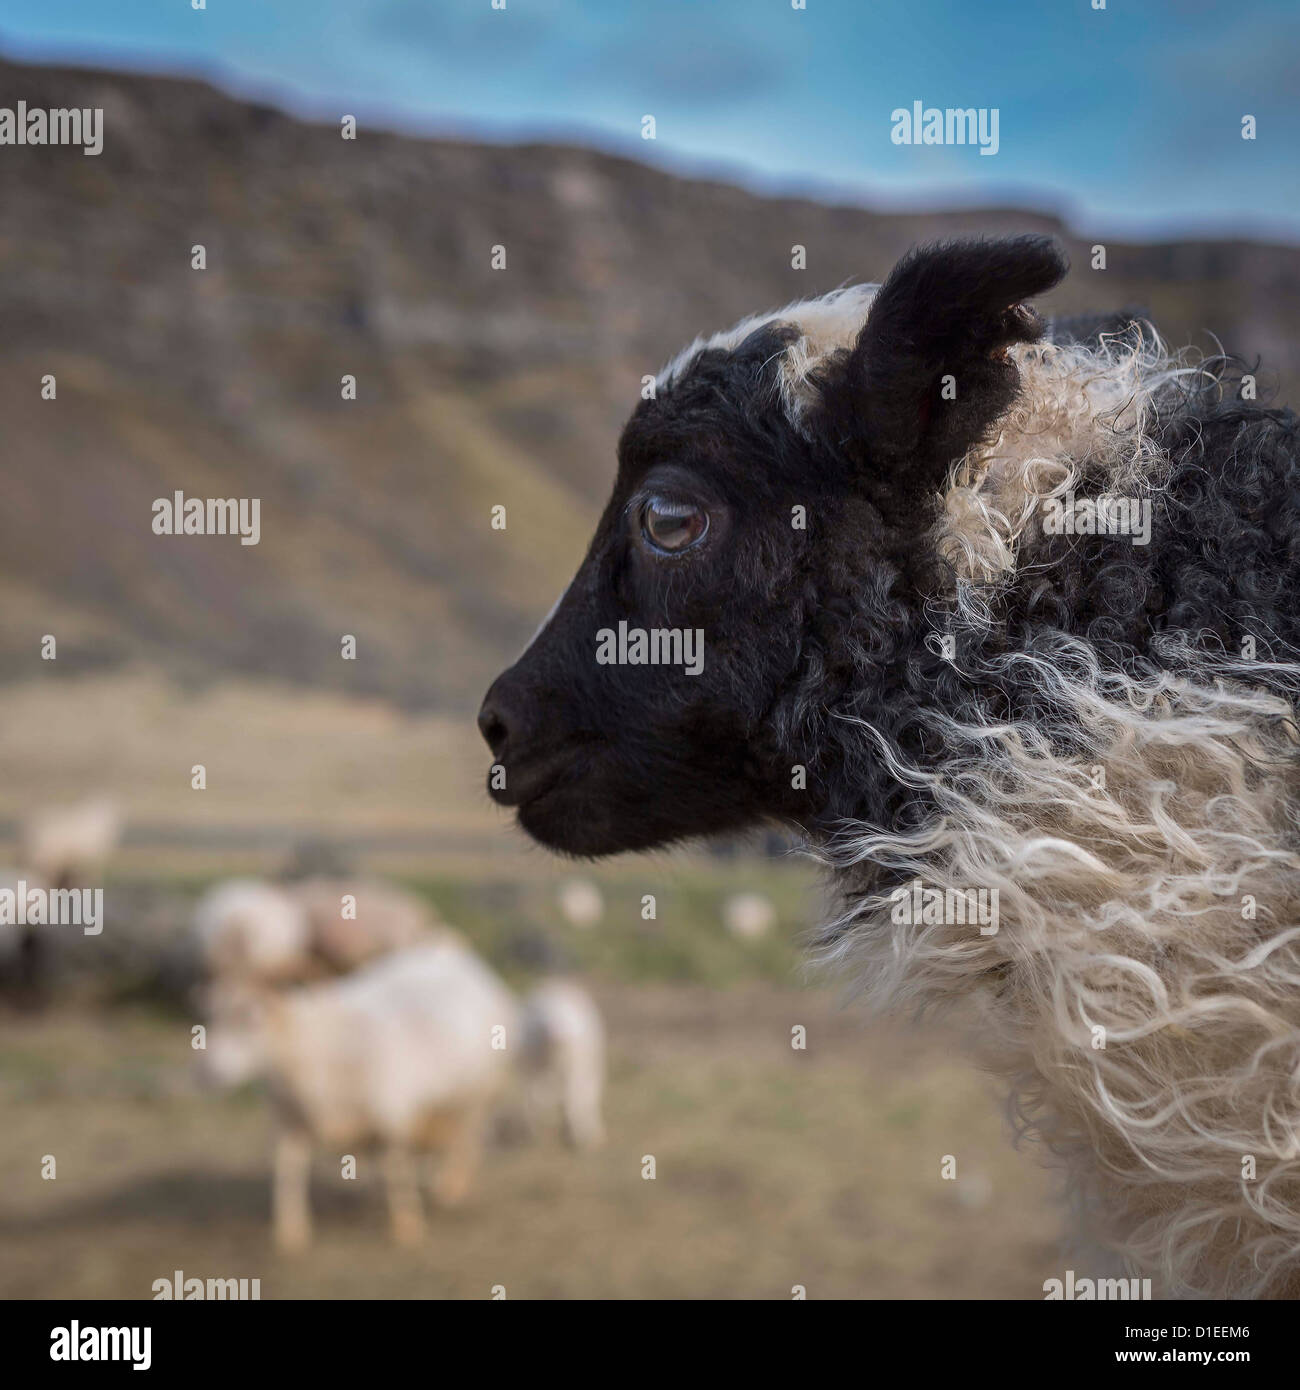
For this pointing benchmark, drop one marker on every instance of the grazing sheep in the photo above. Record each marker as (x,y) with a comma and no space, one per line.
(68,844)
(748,916)
(564,1058)
(581,902)
(1007,622)
(253,931)
(386,919)
(66,847)
(248,931)
(409,1054)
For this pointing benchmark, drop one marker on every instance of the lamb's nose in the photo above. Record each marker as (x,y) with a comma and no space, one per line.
(492,725)
(525,760)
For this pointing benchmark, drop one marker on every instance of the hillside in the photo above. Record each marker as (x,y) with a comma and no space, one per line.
(475,386)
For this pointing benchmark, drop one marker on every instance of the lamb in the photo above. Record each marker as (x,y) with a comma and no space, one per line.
(68,844)
(258,932)
(250,931)
(564,1058)
(63,847)
(387,919)
(410,1053)
(995,613)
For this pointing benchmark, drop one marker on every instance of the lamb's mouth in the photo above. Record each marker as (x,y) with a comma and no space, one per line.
(532,780)
(542,817)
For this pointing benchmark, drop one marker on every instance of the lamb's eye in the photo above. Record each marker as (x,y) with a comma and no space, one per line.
(672,526)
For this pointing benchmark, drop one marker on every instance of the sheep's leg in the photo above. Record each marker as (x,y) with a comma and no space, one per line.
(404,1209)
(291,1209)
(539,1104)
(461,1160)
(582,1122)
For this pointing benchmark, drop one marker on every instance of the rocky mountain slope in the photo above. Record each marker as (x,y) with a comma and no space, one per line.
(475,386)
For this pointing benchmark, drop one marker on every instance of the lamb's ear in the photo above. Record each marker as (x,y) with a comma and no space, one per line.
(929,373)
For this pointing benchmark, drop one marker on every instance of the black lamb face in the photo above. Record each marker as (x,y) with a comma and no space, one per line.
(641,712)
(746,580)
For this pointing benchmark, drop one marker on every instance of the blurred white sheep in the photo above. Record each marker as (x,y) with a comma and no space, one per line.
(69,845)
(386,919)
(748,916)
(581,902)
(380,1027)
(59,847)
(563,1058)
(410,1053)
(251,931)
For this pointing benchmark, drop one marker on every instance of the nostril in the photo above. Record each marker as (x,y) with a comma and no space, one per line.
(492,726)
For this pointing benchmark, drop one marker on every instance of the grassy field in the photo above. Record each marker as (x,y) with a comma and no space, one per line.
(775,1167)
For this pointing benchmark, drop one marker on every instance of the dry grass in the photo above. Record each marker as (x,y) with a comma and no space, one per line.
(774,1168)
(275,756)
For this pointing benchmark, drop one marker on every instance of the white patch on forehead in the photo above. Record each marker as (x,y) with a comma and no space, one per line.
(825,326)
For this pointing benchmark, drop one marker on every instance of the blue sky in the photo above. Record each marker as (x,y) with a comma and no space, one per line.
(1126,120)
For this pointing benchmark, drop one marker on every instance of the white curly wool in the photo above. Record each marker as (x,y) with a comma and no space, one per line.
(1080,405)
(1142,989)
